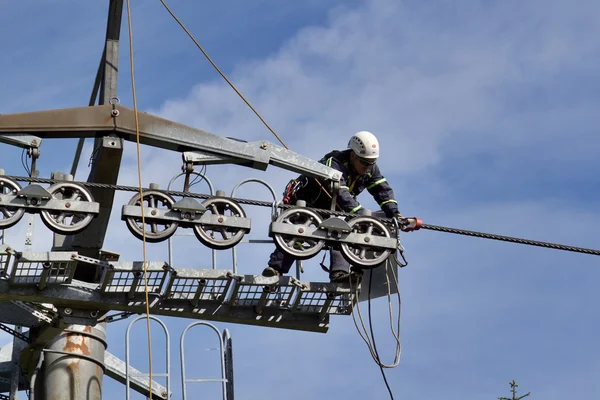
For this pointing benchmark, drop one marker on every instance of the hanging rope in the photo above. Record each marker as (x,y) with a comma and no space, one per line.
(141,192)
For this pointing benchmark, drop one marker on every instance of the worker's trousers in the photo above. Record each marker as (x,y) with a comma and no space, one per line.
(283,262)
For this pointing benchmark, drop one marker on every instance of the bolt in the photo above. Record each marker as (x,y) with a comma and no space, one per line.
(220,220)
(264,146)
(187,216)
(94,314)
(34,142)
(68,311)
(68,205)
(367,239)
(115,113)
(33,202)
(300,230)
(153,212)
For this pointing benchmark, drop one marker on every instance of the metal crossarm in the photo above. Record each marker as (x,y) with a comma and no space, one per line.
(102,120)
(42,268)
(324,298)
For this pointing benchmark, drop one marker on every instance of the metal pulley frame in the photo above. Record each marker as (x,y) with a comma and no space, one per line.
(362,252)
(294,233)
(66,208)
(218,222)
(364,241)
(10,215)
(223,224)
(161,221)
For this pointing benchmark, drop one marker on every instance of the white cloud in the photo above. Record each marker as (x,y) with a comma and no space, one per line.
(383,67)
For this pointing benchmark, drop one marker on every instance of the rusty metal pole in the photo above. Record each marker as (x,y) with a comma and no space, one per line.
(74,364)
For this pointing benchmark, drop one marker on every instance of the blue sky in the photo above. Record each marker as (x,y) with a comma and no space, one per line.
(487,115)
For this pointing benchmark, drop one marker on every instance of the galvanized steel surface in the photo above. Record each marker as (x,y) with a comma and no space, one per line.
(74,363)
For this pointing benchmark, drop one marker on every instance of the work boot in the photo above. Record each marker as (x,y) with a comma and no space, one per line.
(270,271)
(343,277)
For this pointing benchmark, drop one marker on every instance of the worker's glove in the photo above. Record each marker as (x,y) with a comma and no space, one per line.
(408,224)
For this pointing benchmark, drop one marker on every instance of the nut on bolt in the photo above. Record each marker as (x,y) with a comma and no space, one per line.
(68,311)
(114,112)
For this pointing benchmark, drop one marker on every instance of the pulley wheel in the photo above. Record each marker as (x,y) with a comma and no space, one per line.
(299,247)
(9,216)
(66,222)
(220,237)
(365,256)
(155,230)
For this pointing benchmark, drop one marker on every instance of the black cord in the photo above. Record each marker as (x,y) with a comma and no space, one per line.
(387,385)
(195,181)
(24,163)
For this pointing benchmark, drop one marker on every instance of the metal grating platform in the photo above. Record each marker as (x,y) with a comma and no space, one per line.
(260,292)
(128,277)
(324,298)
(197,285)
(207,294)
(41,268)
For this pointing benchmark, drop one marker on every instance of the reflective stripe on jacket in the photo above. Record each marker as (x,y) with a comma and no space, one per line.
(351,185)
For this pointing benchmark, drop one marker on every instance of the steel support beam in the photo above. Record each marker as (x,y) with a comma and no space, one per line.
(73,363)
(115,368)
(87,296)
(108,151)
(100,121)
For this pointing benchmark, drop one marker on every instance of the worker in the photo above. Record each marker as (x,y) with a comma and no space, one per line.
(358,165)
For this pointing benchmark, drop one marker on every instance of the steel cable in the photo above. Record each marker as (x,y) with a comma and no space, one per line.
(262,203)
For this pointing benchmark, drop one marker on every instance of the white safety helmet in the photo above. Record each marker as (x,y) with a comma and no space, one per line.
(364,144)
